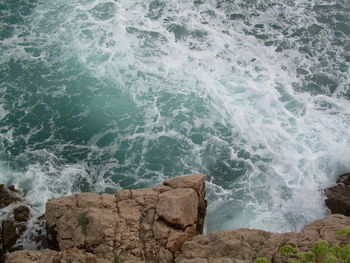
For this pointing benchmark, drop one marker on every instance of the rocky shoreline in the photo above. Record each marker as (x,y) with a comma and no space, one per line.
(159,224)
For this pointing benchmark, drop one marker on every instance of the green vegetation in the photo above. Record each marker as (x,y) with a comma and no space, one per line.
(346,232)
(262,260)
(83,222)
(116,259)
(321,252)
(287,251)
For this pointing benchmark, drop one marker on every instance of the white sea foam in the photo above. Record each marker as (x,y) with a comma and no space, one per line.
(188,68)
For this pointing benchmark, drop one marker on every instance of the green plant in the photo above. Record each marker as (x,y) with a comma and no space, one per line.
(116,259)
(83,222)
(321,252)
(346,232)
(287,251)
(305,257)
(262,260)
(344,253)
(331,258)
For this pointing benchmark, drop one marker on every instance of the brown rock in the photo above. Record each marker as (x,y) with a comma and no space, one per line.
(9,234)
(2,255)
(56,208)
(122,195)
(51,238)
(244,245)
(178,207)
(159,225)
(326,228)
(240,244)
(195,181)
(50,256)
(21,213)
(162,188)
(338,196)
(86,200)
(177,237)
(145,197)
(127,224)
(14,223)
(160,230)
(8,196)
(130,211)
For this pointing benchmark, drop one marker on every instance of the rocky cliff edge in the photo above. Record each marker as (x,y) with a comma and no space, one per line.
(160,224)
(143,225)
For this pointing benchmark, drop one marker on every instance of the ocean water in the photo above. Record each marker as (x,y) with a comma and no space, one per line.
(98,95)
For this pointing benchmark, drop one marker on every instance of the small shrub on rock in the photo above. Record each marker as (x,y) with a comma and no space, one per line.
(321,252)
(287,251)
(262,260)
(345,232)
(83,222)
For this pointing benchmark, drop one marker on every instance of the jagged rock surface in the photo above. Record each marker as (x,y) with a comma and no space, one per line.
(159,225)
(232,246)
(8,196)
(48,256)
(244,245)
(137,225)
(15,215)
(338,196)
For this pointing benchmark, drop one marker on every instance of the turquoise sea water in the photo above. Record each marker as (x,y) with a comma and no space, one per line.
(98,95)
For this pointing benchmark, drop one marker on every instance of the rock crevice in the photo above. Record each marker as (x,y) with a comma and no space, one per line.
(160,224)
(15,213)
(140,225)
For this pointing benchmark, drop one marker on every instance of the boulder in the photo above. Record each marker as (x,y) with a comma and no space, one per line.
(338,196)
(136,225)
(9,234)
(178,207)
(21,213)
(16,215)
(195,182)
(8,196)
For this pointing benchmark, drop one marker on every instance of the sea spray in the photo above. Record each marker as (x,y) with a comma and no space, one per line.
(103,95)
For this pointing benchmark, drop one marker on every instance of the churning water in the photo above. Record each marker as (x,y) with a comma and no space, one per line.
(98,95)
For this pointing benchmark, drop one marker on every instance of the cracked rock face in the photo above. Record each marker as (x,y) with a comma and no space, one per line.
(46,256)
(136,225)
(244,245)
(178,207)
(160,224)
